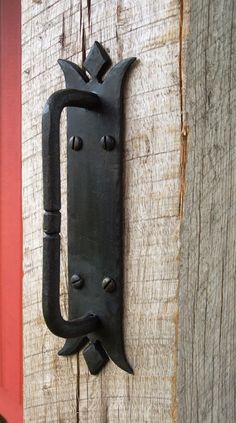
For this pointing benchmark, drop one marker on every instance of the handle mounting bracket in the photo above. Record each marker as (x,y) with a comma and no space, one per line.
(94,203)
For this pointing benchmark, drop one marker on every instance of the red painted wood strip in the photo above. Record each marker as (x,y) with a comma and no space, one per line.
(10,213)
(10,408)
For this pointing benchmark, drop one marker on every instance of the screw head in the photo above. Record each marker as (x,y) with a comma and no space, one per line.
(107,142)
(76,281)
(108,284)
(75,143)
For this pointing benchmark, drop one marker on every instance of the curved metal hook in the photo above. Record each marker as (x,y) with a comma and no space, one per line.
(52,218)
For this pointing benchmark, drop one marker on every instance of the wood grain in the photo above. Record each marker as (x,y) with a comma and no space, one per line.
(207,370)
(59,389)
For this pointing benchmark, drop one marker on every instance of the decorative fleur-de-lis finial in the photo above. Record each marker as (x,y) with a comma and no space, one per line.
(97,61)
(96,64)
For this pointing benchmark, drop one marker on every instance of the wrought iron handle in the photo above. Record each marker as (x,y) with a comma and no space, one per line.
(52,217)
(94,209)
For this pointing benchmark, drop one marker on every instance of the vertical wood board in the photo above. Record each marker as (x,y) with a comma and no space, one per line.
(206,372)
(59,389)
(10,213)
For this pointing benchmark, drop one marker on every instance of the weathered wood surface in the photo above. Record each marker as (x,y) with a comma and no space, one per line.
(207,366)
(59,389)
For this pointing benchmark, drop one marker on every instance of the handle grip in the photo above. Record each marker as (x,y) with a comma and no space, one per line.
(52,217)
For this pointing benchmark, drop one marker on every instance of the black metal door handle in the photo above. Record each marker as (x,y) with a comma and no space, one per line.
(52,217)
(94,209)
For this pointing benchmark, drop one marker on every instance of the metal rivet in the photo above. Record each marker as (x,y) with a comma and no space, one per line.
(107,142)
(76,281)
(108,285)
(75,143)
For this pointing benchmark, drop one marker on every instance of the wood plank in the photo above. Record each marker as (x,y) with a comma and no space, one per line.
(207,278)
(11,406)
(153,116)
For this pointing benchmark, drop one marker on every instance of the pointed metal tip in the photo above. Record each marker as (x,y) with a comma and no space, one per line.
(127,368)
(100,47)
(130,61)
(98,44)
(61,60)
(65,64)
(131,372)
(122,363)
(71,70)
(62,63)
(62,353)
(73,346)
(118,72)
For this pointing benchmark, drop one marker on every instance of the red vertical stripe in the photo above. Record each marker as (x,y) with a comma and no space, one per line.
(10,213)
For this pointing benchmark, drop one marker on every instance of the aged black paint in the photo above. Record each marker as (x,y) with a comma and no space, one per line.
(94,201)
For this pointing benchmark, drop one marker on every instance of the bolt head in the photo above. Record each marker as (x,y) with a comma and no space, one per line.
(108,285)
(75,143)
(76,281)
(107,142)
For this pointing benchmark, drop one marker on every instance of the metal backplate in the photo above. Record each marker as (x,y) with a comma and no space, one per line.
(95,207)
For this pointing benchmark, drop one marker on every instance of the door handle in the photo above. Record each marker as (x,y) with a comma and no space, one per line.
(52,218)
(94,204)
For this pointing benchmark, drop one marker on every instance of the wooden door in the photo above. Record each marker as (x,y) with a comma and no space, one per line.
(10,214)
